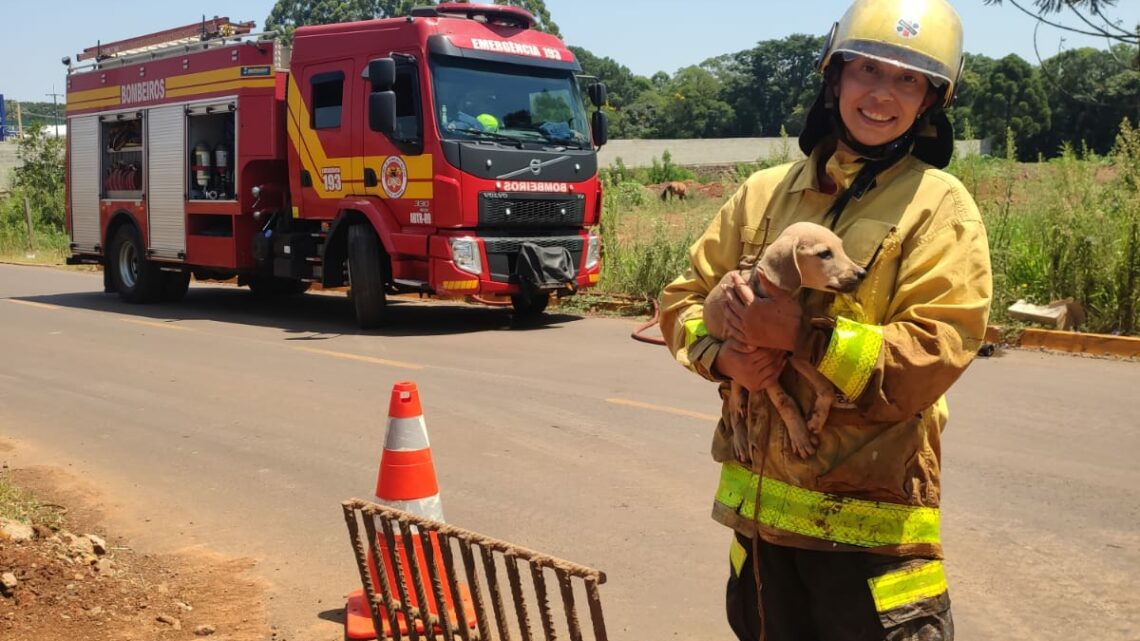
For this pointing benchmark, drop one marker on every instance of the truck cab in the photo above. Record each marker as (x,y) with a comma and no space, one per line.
(450,152)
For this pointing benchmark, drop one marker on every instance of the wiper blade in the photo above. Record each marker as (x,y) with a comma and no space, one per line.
(491,135)
(568,142)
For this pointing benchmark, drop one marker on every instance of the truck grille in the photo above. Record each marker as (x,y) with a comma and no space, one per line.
(503,252)
(501,209)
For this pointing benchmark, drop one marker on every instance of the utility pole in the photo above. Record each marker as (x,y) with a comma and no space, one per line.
(19,121)
(55,109)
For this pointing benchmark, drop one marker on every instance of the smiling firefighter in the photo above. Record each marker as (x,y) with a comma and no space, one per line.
(843,543)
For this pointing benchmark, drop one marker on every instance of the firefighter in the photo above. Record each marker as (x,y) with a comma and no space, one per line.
(844,544)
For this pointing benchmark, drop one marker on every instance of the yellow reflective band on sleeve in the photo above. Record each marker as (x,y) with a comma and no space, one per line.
(851,356)
(826,516)
(737,555)
(908,586)
(694,329)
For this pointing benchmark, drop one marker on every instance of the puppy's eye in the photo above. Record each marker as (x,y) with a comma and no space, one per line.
(825,254)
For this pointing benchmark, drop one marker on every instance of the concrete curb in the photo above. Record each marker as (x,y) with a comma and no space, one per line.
(1070,342)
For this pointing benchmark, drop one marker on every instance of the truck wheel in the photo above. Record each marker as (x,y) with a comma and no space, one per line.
(268,286)
(366,276)
(135,278)
(530,305)
(174,285)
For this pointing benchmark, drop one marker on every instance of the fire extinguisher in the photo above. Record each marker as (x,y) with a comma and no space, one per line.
(223,178)
(200,167)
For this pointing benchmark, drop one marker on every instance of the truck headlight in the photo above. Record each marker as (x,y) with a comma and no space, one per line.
(465,255)
(593,251)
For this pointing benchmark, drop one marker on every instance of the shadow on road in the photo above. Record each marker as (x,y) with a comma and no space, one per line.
(324,314)
(336,616)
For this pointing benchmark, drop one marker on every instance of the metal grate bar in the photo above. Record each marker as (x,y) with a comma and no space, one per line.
(411,614)
(420,552)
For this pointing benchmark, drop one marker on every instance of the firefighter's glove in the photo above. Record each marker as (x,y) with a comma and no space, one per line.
(753,367)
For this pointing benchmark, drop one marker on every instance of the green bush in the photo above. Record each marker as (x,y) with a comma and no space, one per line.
(1070,231)
(38,181)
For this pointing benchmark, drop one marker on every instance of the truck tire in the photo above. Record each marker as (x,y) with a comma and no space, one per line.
(135,278)
(174,286)
(269,286)
(367,276)
(530,305)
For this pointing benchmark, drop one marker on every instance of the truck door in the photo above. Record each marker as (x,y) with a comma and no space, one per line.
(396,168)
(324,144)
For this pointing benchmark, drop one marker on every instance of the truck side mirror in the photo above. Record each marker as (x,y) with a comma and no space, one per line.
(599,126)
(597,92)
(381,73)
(382,111)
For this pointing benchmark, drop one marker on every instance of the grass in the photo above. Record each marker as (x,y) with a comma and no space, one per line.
(1066,228)
(50,243)
(20,505)
(645,240)
(51,247)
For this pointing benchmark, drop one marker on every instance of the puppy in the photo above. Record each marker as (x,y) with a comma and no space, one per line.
(803,255)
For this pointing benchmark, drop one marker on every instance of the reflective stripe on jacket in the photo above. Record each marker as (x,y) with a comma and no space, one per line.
(898,344)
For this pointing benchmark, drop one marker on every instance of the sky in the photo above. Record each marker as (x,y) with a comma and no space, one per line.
(645,35)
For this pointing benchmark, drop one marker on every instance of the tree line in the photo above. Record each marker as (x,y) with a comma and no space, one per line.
(35,113)
(1077,96)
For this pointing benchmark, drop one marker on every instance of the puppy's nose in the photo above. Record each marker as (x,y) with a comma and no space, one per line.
(860,273)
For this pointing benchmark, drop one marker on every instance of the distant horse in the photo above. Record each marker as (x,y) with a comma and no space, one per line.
(675,188)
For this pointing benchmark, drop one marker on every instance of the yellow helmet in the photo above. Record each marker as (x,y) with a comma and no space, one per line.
(921,35)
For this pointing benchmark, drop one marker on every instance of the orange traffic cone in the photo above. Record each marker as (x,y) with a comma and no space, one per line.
(406,481)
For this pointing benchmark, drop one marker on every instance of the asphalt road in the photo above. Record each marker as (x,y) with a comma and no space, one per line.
(239,426)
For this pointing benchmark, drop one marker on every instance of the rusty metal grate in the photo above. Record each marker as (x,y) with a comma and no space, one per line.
(480,560)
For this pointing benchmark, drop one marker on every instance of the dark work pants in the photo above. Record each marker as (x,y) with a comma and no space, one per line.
(825,596)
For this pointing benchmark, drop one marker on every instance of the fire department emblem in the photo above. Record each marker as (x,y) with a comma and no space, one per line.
(907,28)
(394,176)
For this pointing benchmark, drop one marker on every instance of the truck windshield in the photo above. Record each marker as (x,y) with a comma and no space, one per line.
(477,100)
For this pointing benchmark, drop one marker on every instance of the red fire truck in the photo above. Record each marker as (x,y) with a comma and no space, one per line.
(447,152)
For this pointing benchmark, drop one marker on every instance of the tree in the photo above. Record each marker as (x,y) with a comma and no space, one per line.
(773,85)
(622,85)
(39,176)
(1012,97)
(971,84)
(692,107)
(1091,91)
(537,8)
(1094,22)
(287,15)
(1090,12)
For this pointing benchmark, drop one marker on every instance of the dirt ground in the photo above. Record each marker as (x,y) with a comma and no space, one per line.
(69,586)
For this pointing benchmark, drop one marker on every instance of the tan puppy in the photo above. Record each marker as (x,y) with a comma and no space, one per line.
(804,255)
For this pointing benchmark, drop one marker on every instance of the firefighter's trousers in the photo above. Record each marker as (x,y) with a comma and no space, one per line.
(835,596)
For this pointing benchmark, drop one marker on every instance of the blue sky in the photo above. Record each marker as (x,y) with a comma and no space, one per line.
(646,36)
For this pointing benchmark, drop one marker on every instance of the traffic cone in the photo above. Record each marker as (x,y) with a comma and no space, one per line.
(406,481)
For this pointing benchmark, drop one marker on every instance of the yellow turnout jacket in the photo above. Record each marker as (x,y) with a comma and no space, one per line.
(898,344)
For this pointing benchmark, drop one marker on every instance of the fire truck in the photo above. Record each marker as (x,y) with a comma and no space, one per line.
(450,152)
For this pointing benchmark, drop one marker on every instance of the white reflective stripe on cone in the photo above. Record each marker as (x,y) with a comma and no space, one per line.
(429,508)
(406,435)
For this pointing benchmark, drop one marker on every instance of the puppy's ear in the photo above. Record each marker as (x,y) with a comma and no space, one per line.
(780,264)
